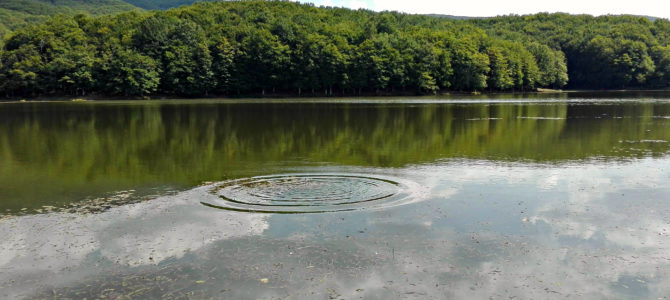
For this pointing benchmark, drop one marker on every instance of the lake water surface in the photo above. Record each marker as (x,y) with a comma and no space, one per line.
(531,197)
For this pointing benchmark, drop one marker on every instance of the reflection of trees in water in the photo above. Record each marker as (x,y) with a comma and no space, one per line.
(59,147)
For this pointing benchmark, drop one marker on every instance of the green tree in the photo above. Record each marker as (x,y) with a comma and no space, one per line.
(187,62)
(127,73)
(223,57)
(20,71)
(632,63)
(552,70)
(661,57)
(499,76)
(262,62)
(470,66)
(374,64)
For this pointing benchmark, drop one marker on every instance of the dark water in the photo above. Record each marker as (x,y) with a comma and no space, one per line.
(499,196)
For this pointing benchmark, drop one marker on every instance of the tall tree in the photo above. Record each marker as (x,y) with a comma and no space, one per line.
(127,73)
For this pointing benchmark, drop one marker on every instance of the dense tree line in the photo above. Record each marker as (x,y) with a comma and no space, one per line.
(261,47)
(607,52)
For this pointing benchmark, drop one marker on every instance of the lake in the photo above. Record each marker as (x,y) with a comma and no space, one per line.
(534,196)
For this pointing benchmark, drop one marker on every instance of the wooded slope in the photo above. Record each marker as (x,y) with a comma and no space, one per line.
(260,47)
(17,13)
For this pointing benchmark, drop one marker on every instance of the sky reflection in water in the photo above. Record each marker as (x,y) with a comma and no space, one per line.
(532,226)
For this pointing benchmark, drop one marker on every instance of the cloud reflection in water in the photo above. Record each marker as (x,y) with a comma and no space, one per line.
(592,230)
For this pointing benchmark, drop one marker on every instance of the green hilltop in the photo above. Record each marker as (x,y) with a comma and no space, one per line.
(162,4)
(17,13)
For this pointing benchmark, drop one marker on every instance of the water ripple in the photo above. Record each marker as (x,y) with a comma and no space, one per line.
(312,193)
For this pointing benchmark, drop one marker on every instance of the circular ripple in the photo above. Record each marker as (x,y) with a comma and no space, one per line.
(311,193)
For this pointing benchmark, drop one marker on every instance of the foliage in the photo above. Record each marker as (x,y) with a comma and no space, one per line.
(161,4)
(259,47)
(18,13)
(602,52)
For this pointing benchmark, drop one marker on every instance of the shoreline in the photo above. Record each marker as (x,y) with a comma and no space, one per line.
(279,96)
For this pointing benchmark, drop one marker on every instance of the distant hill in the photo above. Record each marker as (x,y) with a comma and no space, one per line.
(163,4)
(16,13)
(51,7)
(11,19)
(650,18)
(452,17)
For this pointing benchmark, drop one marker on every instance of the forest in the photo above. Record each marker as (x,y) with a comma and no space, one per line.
(17,13)
(239,48)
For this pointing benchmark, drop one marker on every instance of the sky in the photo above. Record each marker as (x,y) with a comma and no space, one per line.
(487,8)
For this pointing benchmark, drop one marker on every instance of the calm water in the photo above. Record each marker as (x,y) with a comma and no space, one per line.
(498,196)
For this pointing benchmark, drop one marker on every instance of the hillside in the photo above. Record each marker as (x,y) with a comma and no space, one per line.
(16,13)
(162,4)
(11,19)
(452,17)
(281,47)
(606,52)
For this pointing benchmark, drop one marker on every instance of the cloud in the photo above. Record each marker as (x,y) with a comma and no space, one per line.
(595,231)
(37,247)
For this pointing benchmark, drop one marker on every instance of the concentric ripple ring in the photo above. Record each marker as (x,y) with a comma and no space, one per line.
(311,193)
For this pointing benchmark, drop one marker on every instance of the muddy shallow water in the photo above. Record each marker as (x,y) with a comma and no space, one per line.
(403,198)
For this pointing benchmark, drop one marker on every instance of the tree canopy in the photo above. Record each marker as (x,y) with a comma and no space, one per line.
(260,47)
(607,52)
(17,13)
(162,4)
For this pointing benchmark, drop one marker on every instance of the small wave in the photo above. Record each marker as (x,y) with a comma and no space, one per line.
(311,193)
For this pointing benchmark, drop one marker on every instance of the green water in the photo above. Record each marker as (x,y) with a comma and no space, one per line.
(530,197)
